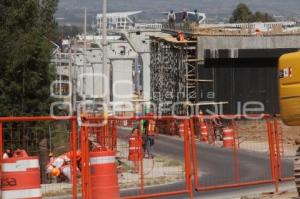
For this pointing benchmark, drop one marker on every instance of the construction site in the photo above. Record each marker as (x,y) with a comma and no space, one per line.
(179,110)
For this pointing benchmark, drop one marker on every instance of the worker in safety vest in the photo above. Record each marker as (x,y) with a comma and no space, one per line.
(135,149)
(144,125)
(150,134)
(60,167)
(54,167)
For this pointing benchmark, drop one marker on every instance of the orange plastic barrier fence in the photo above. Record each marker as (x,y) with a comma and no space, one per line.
(224,154)
(31,133)
(248,154)
(142,172)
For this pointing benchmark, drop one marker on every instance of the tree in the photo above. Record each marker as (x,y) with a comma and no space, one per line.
(263,17)
(65,32)
(25,69)
(26,27)
(242,14)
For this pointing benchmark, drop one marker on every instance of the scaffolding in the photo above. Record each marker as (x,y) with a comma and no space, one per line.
(176,75)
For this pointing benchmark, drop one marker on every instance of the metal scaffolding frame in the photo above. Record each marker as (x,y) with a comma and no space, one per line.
(174,75)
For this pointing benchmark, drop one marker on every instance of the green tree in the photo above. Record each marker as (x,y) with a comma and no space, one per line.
(63,32)
(263,17)
(242,14)
(25,69)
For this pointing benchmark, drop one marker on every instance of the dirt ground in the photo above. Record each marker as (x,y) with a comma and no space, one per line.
(291,194)
(157,171)
(253,135)
(256,130)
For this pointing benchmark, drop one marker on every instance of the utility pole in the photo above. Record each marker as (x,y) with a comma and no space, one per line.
(84,59)
(106,68)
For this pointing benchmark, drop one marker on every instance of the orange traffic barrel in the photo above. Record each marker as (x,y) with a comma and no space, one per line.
(171,127)
(104,179)
(135,148)
(228,138)
(21,177)
(181,129)
(203,133)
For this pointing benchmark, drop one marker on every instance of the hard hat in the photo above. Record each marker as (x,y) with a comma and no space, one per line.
(55,172)
(78,155)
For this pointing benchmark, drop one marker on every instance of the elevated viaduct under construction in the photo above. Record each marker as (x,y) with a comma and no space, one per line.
(212,68)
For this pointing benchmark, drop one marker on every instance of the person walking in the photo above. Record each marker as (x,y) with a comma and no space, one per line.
(150,135)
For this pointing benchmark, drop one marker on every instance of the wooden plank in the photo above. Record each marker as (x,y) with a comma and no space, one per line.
(205,103)
(172,39)
(139,100)
(193,60)
(200,80)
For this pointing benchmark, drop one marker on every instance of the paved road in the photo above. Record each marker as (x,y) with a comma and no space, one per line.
(216,165)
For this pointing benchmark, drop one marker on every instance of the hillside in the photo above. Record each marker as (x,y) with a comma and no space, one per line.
(71,10)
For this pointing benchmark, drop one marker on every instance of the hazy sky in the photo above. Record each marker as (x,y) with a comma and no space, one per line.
(212,8)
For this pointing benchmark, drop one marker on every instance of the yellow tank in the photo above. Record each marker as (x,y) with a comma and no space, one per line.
(289,88)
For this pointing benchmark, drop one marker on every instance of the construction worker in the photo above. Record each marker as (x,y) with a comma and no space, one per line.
(185,18)
(57,163)
(60,166)
(51,158)
(218,128)
(150,134)
(144,125)
(171,19)
(7,154)
(197,16)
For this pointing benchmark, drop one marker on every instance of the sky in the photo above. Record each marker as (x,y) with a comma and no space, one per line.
(71,10)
